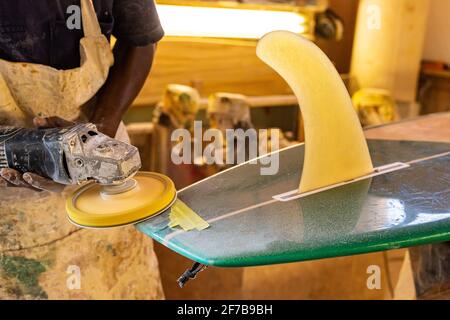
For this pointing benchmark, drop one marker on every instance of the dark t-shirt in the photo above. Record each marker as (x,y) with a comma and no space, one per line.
(36,30)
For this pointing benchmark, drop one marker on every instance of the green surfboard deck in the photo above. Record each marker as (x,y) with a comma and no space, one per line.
(404,208)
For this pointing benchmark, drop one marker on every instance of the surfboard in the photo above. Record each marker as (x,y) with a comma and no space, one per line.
(258,220)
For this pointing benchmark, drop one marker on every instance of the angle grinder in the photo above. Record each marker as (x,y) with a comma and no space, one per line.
(112,191)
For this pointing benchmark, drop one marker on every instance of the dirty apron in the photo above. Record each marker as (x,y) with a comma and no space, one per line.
(42,255)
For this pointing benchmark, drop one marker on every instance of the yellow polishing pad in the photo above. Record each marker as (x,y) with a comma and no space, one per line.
(145,195)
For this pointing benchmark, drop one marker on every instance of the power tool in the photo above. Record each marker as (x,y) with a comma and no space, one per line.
(112,191)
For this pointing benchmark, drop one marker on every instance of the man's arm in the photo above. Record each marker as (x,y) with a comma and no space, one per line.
(126,79)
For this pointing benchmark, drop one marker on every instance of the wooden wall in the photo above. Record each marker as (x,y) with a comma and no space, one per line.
(437,39)
(211,67)
(389,44)
(232,66)
(340,52)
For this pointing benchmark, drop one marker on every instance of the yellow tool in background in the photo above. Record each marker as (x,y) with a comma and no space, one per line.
(180,104)
(374,106)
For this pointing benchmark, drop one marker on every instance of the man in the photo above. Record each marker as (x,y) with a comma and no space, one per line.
(59,260)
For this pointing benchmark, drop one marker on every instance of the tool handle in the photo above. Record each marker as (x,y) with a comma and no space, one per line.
(34,150)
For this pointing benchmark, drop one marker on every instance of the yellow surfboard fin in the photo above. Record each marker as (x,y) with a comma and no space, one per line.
(335,147)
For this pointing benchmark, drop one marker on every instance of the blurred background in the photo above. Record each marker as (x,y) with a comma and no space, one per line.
(393,57)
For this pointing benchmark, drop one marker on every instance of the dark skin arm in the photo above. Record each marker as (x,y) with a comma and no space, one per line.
(126,78)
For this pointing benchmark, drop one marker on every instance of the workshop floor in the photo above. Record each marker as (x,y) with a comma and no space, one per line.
(337,278)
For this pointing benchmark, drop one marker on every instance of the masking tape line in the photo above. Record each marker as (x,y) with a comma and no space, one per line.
(183,216)
(228,215)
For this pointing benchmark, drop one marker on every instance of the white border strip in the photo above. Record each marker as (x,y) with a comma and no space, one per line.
(294,194)
(439,155)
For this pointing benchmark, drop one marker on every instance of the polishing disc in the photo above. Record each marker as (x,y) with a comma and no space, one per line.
(145,195)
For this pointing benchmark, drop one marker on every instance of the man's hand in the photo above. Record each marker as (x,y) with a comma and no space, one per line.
(51,122)
(13,178)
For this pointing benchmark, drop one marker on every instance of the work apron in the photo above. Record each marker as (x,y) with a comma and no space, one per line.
(42,255)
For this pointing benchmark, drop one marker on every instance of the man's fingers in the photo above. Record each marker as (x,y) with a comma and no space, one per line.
(42,183)
(51,122)
(3,183)
(13,177)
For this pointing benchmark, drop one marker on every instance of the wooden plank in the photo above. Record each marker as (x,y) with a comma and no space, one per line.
(388,45)
(211,67)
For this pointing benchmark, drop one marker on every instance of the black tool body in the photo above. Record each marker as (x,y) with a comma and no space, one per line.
(38,151)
